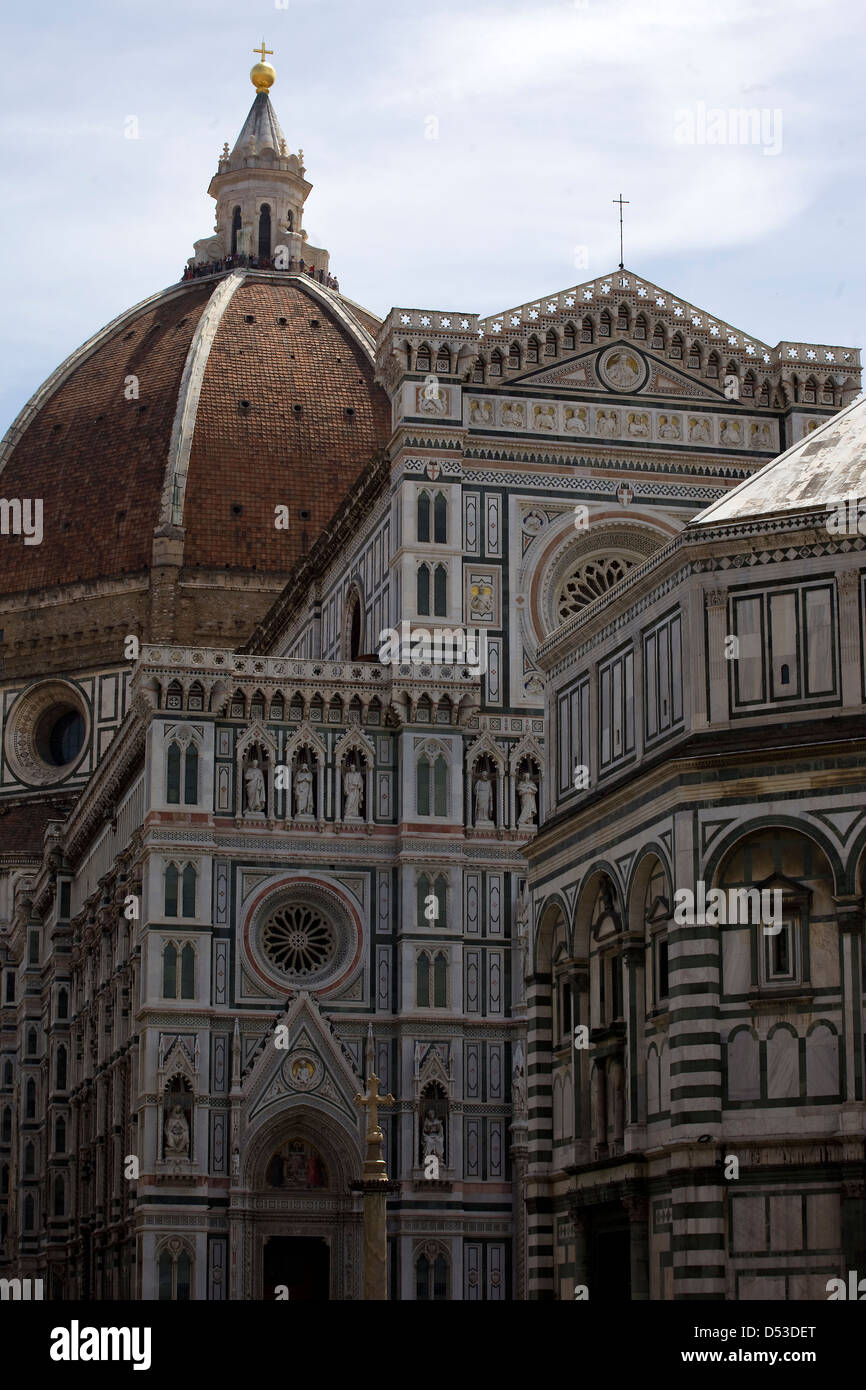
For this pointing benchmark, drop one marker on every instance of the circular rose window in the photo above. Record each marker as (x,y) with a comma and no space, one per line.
(47,732)
(298,940)
(303,936)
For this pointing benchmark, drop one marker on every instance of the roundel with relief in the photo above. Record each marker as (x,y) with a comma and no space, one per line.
(622,368)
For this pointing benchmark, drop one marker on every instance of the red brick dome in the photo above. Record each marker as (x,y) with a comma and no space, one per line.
(185,423)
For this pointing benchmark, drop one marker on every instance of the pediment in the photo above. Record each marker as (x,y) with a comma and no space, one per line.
(311,1068)
(659,376)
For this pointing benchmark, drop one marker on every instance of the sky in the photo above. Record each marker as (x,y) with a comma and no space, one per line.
(464,156)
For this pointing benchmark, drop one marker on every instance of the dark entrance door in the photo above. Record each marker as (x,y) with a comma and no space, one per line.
(609,1259)
(300,1264)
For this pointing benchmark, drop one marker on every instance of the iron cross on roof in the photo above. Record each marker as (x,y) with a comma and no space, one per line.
(262,51)
(623,202)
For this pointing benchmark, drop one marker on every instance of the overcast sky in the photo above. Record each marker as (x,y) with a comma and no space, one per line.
(543,113)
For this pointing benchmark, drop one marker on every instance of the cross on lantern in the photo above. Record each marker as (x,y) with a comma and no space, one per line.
(262,51)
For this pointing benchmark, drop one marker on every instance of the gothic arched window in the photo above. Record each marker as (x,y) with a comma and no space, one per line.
(640,326)
(60,1070)
(30,1100)
(422,981)
(440,591)
(171,880)
(188,892)
(550,344)
(187,972)
(532,349)
(423,518)
(713,365)
(63,1004)
(29,1160)
(443,361)
(59,1196)
(422,584)
(29,1213)
(236,229)
(440,519)
(422,358)
(587,330)
(60,1135)
(265,230)
(568,336)
(169,971)
(32,1042)
(496,363)
(6,1126)
(190,775)
(514,357)
(172,790)
(175,1275)
(677,345)
(440,980)
(604,324)
(431,1278)
(431,784)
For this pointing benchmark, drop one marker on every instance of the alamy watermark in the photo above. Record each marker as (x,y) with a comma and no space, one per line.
(22,516)
(720,907)
(731,125)
(441,646)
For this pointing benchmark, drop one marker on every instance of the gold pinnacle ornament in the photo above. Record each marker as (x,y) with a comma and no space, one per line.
(262,75)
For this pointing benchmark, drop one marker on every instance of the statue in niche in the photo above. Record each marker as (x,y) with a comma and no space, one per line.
(669,427)
(512,414)
(254,788)
(480,413)
(607,422)
(545,417)
(353,791)
(575,421)
(622,371)
(699,431)
(303,790)
(638,425)
(527,790)
(483,798)
(730,433)
(433,1136)
(518,1082)
(176,1134)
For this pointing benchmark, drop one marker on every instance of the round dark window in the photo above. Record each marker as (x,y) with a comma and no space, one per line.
(60,736)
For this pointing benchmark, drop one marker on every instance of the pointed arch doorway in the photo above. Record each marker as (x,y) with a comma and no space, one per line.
(295,1224)
(297,1269)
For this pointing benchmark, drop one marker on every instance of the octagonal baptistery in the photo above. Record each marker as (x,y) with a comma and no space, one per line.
(160,451)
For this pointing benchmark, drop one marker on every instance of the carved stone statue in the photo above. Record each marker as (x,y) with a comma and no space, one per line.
(254,787)
(303,791)
(433,1136)
(669,427)
(518,1082)
(483,798)
(575,421)
(699,431)
(177,1133)
(353,791)
(527,790)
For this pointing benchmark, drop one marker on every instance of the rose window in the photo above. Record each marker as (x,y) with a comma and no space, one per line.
(587,583)
(298,940)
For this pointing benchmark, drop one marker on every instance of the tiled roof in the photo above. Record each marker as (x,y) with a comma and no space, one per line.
(829,465)
(98,460)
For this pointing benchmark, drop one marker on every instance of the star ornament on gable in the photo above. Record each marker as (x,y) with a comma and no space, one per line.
(624,494)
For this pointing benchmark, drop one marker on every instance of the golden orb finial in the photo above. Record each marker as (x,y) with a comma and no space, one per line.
(262,74)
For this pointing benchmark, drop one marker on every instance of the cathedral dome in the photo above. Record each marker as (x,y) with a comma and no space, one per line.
(174,434)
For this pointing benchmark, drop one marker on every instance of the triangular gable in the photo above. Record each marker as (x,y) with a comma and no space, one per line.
(312,1068)
(605,292)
